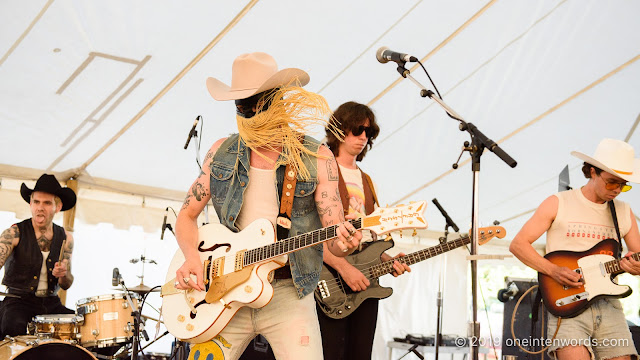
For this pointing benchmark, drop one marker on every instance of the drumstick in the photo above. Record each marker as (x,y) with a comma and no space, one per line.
(62,250)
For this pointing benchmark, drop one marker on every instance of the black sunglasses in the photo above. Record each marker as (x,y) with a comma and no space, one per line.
(368,130)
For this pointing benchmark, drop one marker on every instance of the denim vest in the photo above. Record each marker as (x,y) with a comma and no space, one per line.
(22,269)
(229,178)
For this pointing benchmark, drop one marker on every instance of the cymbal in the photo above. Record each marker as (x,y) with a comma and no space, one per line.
(8,295)
(142,289)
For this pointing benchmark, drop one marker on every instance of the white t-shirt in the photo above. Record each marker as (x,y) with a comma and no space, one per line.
(580,223)
(260,198)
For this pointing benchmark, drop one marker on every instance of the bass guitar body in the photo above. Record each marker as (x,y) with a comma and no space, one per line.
(339,300)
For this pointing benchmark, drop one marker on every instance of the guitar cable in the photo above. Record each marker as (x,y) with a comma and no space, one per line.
(513,320)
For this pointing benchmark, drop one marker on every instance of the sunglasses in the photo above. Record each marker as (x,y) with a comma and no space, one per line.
(368,130)
(612,185)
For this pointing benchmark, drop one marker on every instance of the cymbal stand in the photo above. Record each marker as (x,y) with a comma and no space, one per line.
(143,259)
(479,142)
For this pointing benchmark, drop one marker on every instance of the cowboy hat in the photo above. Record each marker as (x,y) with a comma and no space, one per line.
(254,73)
(48,183)
(615,157)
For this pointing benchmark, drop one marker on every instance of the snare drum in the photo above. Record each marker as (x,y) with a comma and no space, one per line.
(107,320)
(32,348)
(56,326)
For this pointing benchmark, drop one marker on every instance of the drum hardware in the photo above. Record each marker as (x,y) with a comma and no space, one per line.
(27,347)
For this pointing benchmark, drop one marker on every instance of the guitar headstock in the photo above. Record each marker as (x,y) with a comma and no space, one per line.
(489,232)
(384,220)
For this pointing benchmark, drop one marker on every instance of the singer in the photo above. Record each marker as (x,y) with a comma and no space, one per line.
(352,337)
(31,251)
(244,175)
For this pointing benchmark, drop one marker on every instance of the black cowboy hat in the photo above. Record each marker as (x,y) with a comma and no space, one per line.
(49,184)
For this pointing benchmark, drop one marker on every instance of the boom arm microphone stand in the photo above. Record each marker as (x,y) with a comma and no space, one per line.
(441,283)
(194,133)
(478,144)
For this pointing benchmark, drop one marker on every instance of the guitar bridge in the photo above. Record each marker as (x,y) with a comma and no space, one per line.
(324,290)
(572,299)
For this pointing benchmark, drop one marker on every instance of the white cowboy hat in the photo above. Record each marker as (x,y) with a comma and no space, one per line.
(254,73)
(615,157)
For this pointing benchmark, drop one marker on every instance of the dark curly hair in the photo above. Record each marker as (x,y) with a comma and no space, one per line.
(586,170)
(347,117)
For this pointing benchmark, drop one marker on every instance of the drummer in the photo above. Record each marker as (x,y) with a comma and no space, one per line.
(31,250)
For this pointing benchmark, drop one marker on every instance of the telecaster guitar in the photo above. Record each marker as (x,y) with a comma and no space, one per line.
(337,300)
(236,268)
(598,267)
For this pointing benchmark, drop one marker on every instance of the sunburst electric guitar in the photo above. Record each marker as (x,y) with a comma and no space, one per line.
(598,267)
(337,300)
(236,269)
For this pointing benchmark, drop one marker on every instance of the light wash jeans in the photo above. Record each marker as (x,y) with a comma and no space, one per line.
(288,323)
(602,329)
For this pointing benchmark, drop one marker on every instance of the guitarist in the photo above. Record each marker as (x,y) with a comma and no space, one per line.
(576,220)
(352,337)
(243,175)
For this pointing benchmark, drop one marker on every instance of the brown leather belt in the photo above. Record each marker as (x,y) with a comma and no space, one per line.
(282,273)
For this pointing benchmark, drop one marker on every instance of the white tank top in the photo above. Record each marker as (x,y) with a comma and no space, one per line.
(580,223)
(42,282)
(260,198)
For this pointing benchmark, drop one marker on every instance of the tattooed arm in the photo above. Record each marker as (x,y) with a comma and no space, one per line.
(62,269)
(330,207)
(187,226)
(8,240)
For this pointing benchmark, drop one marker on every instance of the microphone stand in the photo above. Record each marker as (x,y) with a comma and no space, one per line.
(136,320)
(197,149)
(478,144)
(439,296)
(412,349)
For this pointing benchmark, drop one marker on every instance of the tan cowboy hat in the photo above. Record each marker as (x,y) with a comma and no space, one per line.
(254,73)
(615,157)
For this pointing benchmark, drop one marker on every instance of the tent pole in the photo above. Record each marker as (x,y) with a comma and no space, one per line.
(68,220)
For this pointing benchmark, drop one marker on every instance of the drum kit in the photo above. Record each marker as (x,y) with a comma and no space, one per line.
(103,327)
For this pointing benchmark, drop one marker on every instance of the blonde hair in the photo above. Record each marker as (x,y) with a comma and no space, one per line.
(291,113)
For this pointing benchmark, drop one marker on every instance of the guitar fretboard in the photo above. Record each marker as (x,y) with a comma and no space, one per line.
(613,266)
(386,267)
(295,243)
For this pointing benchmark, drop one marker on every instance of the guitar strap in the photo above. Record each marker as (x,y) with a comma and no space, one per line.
(283,221)
(612,207)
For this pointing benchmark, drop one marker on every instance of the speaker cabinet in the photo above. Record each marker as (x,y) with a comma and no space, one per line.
(514,288)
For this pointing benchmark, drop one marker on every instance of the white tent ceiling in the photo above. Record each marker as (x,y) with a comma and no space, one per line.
(108,91)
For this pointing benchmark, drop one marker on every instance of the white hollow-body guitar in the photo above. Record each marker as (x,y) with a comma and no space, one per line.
(236,268)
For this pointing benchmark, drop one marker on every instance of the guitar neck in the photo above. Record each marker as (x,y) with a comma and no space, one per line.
(295,243)
(613,267)
(386,267)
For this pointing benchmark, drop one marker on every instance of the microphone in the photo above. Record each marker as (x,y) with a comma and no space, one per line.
(115,279)
(192,131)
(164,221)
(446,216)
(385,55)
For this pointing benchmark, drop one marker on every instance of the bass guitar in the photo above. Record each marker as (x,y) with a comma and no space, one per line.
(337,300)
(598,267)
(237,268)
